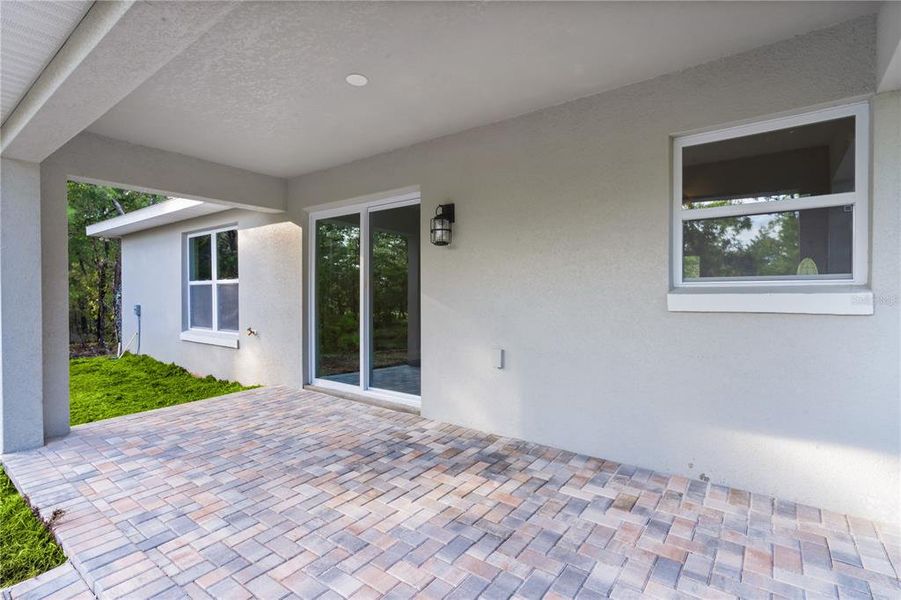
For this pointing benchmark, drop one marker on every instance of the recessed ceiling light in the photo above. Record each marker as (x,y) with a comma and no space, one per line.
(356,79)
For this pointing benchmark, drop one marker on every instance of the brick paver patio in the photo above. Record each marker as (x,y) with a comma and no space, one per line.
(61,583)
(277,493)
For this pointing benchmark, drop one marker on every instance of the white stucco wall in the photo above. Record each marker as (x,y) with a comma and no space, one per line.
(270,299)
(561,257)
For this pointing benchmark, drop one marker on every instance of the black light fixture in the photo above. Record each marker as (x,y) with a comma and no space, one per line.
(441,224)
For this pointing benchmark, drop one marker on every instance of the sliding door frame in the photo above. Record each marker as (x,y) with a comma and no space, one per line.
(363,209)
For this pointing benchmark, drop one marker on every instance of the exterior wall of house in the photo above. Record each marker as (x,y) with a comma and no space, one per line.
(561,257)
(270,299)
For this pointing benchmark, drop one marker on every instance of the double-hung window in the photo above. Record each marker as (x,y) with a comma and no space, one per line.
(776,203)
(212,271)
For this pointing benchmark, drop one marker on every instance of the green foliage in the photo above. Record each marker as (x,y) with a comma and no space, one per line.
(776,248)
(337,293)
(103,387)
(338,302)
(717,245)
(27,547)
(95,263)
(389,290)
(227,254)
(723,247)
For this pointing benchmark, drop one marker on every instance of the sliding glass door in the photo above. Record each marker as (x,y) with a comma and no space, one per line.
(338,299)
(366,317)
(394,299)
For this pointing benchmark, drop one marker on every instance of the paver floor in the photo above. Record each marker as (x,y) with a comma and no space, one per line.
(275,493)
(61,583)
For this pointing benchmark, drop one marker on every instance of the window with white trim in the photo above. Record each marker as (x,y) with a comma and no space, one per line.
(213,280)
(778,202)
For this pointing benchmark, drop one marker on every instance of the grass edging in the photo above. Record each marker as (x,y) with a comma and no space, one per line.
(28,546)
(104,387)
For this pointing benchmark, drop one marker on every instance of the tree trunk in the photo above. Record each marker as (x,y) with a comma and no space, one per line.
(82,321)
(117,294)
(101,296)
(82,316)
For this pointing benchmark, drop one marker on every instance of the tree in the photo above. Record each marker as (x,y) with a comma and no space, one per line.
(337,293)
(390,282)
(717,244)
(338,301)
(95,274)
(725,247)
(776,249)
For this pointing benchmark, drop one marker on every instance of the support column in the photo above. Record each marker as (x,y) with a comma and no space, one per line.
(21,377)
(55,299)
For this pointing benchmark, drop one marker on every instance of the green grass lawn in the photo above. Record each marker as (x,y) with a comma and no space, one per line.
(102,387)
(99,388)
(27,548)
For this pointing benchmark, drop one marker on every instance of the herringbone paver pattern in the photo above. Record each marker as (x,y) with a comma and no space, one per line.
(277,493)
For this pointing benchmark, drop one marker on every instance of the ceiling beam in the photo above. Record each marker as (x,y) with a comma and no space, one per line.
(115,48)
(96,159)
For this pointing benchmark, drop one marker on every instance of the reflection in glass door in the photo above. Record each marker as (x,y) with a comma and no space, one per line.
(368,337)
(394,299)
(338,299)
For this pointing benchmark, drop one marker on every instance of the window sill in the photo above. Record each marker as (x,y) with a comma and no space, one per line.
(213,338)
(805,300)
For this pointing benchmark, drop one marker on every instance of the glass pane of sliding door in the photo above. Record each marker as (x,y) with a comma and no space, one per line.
(368,337)
(338,299)
(394,359)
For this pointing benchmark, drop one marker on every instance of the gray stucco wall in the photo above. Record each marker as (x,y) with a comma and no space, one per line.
(270,299)
(561,256)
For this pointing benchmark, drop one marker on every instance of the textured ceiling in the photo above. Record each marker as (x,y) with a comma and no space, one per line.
(31,32)
(264,88)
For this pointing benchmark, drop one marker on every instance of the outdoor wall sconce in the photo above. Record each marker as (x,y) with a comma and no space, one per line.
(441,224)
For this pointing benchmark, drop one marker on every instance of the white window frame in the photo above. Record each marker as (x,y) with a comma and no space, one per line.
(386,201)
(859,199)
(209,335)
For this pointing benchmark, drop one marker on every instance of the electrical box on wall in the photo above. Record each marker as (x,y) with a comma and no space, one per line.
(499,358)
